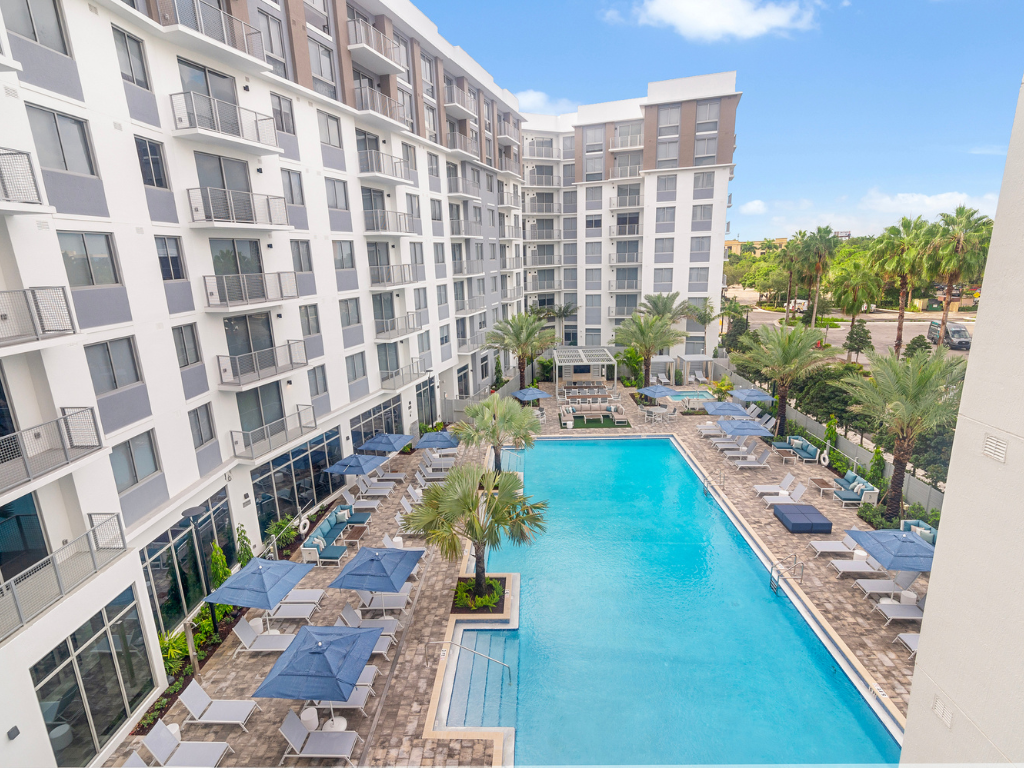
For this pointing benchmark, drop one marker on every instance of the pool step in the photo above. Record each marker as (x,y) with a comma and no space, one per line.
(481,694)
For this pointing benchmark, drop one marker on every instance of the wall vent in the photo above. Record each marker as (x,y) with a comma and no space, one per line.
(42,225)
(8,91)
(995,448)
(943,711)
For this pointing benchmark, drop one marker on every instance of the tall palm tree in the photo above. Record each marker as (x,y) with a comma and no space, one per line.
(787,259)
(854,283)
(907,398)
(498,421)
(822,245)
(522,335)
(783,355)
(731,309)
(958,251)
(898,255)
(487,508)
(647,334)
(664,305)
(703,313)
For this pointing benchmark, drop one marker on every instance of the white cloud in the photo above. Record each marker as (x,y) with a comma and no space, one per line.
(845,4)
(987,149)
(929,206)
(754,208)
(612,16)
(715,20)
(540,103)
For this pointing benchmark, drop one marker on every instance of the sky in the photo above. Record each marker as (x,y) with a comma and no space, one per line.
(854,112)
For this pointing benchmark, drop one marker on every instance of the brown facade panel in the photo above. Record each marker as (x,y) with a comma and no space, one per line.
(417,87)
(348,94)
(687,133)
(579,151)
(480,121)
(609,134)
(239,9)
(297,37)
(727,128)
(442,117)
(650,136)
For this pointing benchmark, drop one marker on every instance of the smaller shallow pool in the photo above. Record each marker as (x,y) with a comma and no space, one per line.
(693,394)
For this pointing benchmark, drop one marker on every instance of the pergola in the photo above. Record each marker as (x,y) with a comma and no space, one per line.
(583,356)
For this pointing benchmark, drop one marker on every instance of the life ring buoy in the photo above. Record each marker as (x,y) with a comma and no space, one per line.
(824,459)
(304,526)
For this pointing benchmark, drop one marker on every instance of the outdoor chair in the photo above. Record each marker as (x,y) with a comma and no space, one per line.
(869,566)
(415,494)
(379,476)
(383,644)
(729,443)
(331,745)
(203,710)
(263,643)
(135,761)
(370,504)
(350,618)
(907,639)
(899,612)
(432,478)
(383,602)
(761,462)
(313,596)
(745,452)
(372,491)
(356,700)
(786,498)
(169,750)
(844,547)
(775,490)
(901,581)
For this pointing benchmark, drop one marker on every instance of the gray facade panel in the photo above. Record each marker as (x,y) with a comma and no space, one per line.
(142,499)
(699,194)
(593,315)
(297,216)
(663,258)
(314,346)
(592,258)
(141,104)
(699,226)
(179,296)
(290,144)
(208,457)
(352,336)
(46,68)
(333,157)
(666,226)
(571,285)
(194,380)
(435,183)
(446,352)
(305,282)
(321,405)
(359,389)
(417,226)
(666,195)
(347,279)
(593,205)
(341,221)
(442,312)
(73,193)
(123,407)
(570,259)
(700,256)
(592,287)
(440,270)
(97,305)
(438,228)
(161,205)
(663,287)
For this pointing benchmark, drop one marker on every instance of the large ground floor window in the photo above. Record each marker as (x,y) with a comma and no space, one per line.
(386,417)
(426,401)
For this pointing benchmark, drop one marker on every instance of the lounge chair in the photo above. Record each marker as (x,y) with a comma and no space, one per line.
(203,710)
(383,644)
(786,498)
(701,378)
(372,491)
(899,612)
(770,424)
(384,602)
(313,596)
(901,581)
(264,643)
(350,618)
(424,479)
(415,494)
(907,639)
(761,462)
(169,750)
(406,506)
(379,475)
(752,409)
(776,490)
(135,761)
(844,547)
(729,443)
(331,745)
(356,700)
(869,566)
(746,452)
(377,482)
(370,504)
(391,544)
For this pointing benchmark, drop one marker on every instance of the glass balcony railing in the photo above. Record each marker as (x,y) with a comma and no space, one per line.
(462,228)
(623,285)
(534,179)
(543,234)
(510,165)
(259,442)
(541,151)
(370,100)
(625,142)
(195,110)
(458,142)
(508,131)
(394,274)
(468,306)
(509,232)
(468,267)
(625,171)
(456,97)
(391,222)
(460,186)
(512,262)
(361,33)
(372,161)
(621,311)
(544,285)
(509,200)
(625,230)
(512,293)
(626,201)
(535,259)
(471,343)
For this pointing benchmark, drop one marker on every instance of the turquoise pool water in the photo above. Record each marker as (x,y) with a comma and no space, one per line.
(649,635)
(698,394)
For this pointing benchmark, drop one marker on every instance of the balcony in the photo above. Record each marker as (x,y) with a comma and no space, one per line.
(223,124)
(397,327)
(626,201)
(384,168)
(35,589)
(34,314)
(464,146)
(543,234)
(468,344)
(277,434)
(623,258)
(202,27)
(389,222)
(37,451)
(621,311)
(235,209)
(729,202)
(394,274)
(407,374)
(468,267)
(533,286)
(541,151)
(507,133)
(535,180)
(625,230)
(381,110)
(509,200)
(227,292)
(19,192)
(511,263)
(535,259)
(251,368)
(508,165)
(508,232)
(461,187)
(625,172)
(469,306)
(618,286)
(625,142)
(532,206)
(511,294)
(461,228)
(373,50)
(460,104)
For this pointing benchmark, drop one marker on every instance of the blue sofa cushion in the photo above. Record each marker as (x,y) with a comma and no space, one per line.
(333,552)
(359,518)
(802,518)
(848,495)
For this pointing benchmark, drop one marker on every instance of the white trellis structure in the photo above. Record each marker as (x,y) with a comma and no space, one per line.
(592,356)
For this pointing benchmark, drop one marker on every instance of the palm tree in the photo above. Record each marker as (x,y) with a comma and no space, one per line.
(783,355)
(647,334)
(795,254)
(731,309)
(522,335)
(854,284)
(958,251)
(487,508)
(907,398)
(822,246)
(498,421)
(664,305)
(897,253)
(703,314)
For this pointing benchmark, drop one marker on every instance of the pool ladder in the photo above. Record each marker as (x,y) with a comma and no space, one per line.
(785,568)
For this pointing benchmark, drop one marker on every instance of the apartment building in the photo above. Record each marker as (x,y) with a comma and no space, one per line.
(626,198)
(735,247)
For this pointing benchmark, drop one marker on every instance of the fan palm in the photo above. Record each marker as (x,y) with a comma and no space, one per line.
(487,508)
(732,310)
(498,421)
(907,398)
(958,251)
(822,245)
(783,355)
(664,305)
(522,335)
(854,283)
(898,255)
(647,334)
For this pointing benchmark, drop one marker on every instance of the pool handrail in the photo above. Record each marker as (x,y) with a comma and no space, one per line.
(489,658)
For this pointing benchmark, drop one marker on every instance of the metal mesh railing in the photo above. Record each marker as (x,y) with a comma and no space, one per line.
(544,151)
(361,33)
(626,201)
(515,292)
(471,343)
(251,445)
(394,327)
(626,142)
(509,199)
(542,234)
(212,22)
(34,313)
(262,364)
(532,206)
(625,171)
(372,161)
(623,285)
(543,259)
(369,99)
(509,232)
(407,374)
(512,262)
(533,179)
(256,288)
(388,221)
(507,130)
(237,206)
(544,285)
(393,274)
(196,110)
(508,165)
(33,452)
(624,230)
(17,181)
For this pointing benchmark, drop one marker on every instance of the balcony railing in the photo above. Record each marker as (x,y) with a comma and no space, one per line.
(535,180)
(225,291)
(509,232)
(464,306)
(396,327)
(457,96)
(456,141)
(625,230)
(368,99)
(509,165)
(372,161)
(235,206)
(259,442)
(460,186)
(508,131)
(543,234)
(625,142)
(621,311)
(405,375)
(42,584)
(626,201)
(624,258)
(512,262)
(239,370)
(37,451)
(17,181)
(509,199)
(623,285)
(532,206)
(462,228)
(544,152)
(196,110)
(388,221)
(361,33)
(209,20)
(510,294)
(544,285)
(625,171)
(535,259)
(34,314)
(471,343)
(468,267)
(392,274)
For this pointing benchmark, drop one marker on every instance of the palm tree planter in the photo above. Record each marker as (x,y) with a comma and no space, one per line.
(493,585)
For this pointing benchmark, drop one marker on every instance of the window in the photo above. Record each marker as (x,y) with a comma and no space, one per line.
(427,73)
(403,57)
(317,381)
(201,421)
(593,194)
(698,279)
(592,249)
(168,252)
(704,180)
(593,138)
(282,109)
(355,366)
(420,298)
(571,337)
(595,168)
(490,181)
(701,212)
(302,259)
(663,275)
(88,258)
(330,129)
(700,248)
(490,217)
(442,295)
(593,276)
(409,155)
(568,145)
(273,42)
(594,226)
(186,345)
(481,321)
(478,251)
(343,258)
(320,61)
(133,461)
(430,118)
(668,120)
(439,253)
(494,251)
(416,253)
(433,165)
(592,337)
(707,116)
(62,142)
(667,183)
(668,154)
(38,20)
(151,159)
(337,194)
(112,365)
(423,342)
(412,206)
(569,201)
(292,182)
(664,245)
(309,319)
(705,151)
(445,334)
(349,312)
(485,368)
(436,211)
(665,215)
(130,58)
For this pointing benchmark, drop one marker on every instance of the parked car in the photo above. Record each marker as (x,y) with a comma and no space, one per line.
(957,336)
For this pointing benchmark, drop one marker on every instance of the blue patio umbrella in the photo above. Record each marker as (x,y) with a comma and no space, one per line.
(356,464)
(751,396)
(378,569)
(321,663)
(439,440)
(741,427)
(386,442)
(656,391)
(530,393)
(896,550)
(716,408)
(260,584)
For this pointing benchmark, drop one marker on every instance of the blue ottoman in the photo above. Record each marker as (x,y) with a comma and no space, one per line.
(802,518)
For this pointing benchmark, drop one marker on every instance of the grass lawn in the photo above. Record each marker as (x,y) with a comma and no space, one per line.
(606,423)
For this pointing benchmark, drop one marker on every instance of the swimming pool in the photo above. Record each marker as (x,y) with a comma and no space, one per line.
(648,633)
(696,394)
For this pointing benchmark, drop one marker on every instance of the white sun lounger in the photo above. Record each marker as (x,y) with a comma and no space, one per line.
(351,500)
(901,581)
(869,566)
(169,750)
(424,479)
(350,618)
(313,596)
(372,491)
(746,452)
(730,444)
(786,498)
(330,745)
(356,700)
(135,761)
(378,475)
(265,643)
(907,639)
(203,710)
(761,462)
(844,547)
(776,490)
(898,612)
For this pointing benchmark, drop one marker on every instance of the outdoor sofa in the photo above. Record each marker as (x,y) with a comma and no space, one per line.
(803,449)
(319,546)
(854,489)
(615,412)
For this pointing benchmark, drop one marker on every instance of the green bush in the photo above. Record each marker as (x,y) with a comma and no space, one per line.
(916,511)
(916,345)
(244,546)
(464,597)
(174,650)
(219,571)
(872,514)
(544,368)
(284,531)
(679,378)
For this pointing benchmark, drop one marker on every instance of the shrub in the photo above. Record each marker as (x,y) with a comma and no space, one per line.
(544,368)
(464,597)
(219,571)
(284,531)
(244,546)
(876,470)
(721,388)
(174,650)
(679,378)
(916,345)
(873,515)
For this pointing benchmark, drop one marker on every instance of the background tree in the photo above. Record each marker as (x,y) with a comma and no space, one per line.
(219,571)
(822,246)
(522,335)
(731,310)
(858,339)
(853,284)
(632,361)
(897,254)
(916,345)
(647,334)
(498,421)
(958,251)
(794,251)
(664,305)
